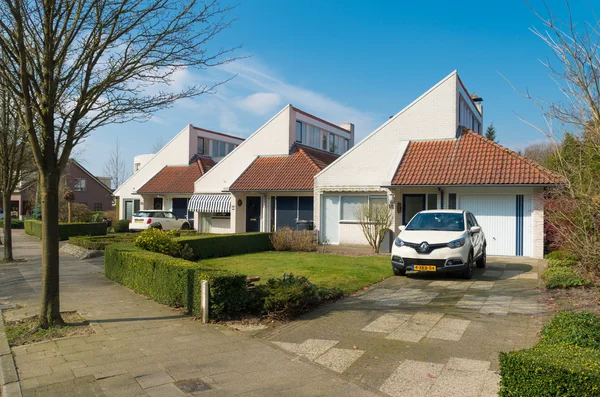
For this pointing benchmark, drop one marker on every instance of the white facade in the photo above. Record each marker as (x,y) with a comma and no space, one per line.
(179,151)
(275,138)
(366,171)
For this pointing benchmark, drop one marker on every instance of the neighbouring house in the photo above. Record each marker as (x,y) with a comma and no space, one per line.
(92,191)
(165,180)
(267,182)
(431,155)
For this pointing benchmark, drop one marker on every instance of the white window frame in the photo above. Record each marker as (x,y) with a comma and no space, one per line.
(77,185)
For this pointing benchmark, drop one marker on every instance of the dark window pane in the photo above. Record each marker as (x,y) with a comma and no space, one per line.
(432,201)
(452,201)
(298,131)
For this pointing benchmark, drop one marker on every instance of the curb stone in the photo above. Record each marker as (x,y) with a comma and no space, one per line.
(9,377)
(80,252)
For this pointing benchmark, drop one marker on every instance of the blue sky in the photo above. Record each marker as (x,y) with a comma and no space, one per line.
(357,62)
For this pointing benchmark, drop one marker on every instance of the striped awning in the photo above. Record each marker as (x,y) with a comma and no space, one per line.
(210,203)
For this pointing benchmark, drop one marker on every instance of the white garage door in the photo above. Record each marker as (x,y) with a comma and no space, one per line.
(504,220)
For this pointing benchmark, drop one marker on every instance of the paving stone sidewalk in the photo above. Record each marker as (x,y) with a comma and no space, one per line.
(141,348)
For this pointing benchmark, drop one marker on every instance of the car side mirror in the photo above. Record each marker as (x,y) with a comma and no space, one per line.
(475,229)
(401,227)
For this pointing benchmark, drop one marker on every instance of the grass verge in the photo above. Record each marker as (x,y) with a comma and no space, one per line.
(26,331)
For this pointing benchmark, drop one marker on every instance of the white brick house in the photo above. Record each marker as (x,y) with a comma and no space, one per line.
(432,155)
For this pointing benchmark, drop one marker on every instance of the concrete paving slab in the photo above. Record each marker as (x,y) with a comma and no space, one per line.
(441,283)
(492,273)
(464,364)
(339,360)
(408,296)
(528,276)
(461,285)
(483,285)
(416,327)
(387,323)
(377,294)
(453,383)
(449,329)
(472,302)
(510,274)
(412,379)
(496,305)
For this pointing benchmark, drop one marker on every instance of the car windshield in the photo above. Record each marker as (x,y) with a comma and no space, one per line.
(447,221)
(145,214)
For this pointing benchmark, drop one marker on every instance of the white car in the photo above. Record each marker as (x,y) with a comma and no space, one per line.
(1,214)
(440,241)
(168,221)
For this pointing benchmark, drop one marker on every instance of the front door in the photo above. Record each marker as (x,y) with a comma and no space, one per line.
(411,205)
(158,203)
(252,214)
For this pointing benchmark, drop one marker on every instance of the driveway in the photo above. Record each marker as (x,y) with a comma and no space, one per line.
(141,348)
(425,334)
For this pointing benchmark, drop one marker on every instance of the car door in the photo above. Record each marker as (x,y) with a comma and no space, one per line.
(476,238)
(171,221)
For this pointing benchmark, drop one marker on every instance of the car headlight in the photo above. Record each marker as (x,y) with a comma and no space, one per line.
(398,242)
(457,243)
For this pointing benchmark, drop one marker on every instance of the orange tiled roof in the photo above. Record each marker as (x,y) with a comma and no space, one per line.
(470,160)
(178,179)
(293,172)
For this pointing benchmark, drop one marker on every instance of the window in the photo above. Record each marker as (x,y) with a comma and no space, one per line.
(452,201)
(169,215)
(451,222)
(299,131)
(200,146)
(350,206)
(324,140)
(432,201)
(345,146)
(230,147)
(218,149)
(334,142)
(313,136)
(377,200)
(471,221)
(97,206)
(79,185)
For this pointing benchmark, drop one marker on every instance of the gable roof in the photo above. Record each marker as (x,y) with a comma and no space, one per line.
(94,178)
(178,179)
(469,160)
(284,173)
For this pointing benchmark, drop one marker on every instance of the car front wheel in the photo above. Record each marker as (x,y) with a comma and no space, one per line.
(468,272)
(185,226)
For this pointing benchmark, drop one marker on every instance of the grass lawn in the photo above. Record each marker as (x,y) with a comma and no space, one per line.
(345,272)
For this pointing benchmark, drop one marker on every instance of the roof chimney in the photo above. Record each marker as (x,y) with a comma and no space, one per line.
(477,99)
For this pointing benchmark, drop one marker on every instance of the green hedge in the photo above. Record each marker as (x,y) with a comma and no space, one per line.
(15,223)
(175,282)
(99,243)
(566,361)
(219,245)
(66,230)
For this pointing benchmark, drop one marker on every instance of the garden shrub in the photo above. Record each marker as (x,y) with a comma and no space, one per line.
(80,213)
(287,239)
(176,282)
(121,226)
(155,240)
(563,277)
(550,370)
(66,230)
(579,329)
(219,245)
(14,223)
(562,262)
(561,255)
(99,243)
(566,361)
(290,296)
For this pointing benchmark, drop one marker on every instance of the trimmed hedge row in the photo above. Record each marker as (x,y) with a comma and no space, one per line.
(566,361)
(66,230)
(99,243)
(215,245)
(15,223)
(175,282)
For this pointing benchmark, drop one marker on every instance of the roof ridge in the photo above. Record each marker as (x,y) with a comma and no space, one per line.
(548,173)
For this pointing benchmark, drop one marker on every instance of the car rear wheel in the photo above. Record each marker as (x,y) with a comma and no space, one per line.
(468,272)
(481,262)
(185,226)
(399,272)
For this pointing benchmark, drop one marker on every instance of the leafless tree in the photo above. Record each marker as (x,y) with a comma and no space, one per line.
(74,66)
(375,221)
(158,145)
(574,208)
(540,152)
(115,167)
(15,164)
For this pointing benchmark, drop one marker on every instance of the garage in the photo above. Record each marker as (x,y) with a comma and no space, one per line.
(505,220)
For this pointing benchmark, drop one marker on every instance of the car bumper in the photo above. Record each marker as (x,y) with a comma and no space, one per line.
(138,226)
(445,260)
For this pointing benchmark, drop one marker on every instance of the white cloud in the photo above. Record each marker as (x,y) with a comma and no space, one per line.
(261,103)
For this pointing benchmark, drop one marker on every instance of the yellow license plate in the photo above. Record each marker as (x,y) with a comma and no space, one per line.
(139,221)
(425,267)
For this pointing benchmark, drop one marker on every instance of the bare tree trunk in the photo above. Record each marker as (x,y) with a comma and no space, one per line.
(8,252)
(50,305)
(69,211)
